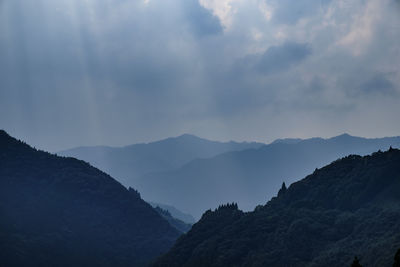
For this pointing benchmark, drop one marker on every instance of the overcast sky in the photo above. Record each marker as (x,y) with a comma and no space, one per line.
(117,72)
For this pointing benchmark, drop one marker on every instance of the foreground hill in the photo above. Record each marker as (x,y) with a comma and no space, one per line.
(63,212)
(130,162)
(250,177)
(348,208)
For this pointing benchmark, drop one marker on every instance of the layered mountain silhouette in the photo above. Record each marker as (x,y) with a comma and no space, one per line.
(194,174)
(348,209)
(250,177)
(130,162)
(57,211)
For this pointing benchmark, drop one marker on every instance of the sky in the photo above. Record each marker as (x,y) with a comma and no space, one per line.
(118,72)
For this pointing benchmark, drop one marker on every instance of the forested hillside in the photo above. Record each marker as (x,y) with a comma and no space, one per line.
(346,209)
(59,211)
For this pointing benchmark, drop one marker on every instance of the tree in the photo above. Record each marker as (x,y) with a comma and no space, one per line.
(356,262)
(283,189)
(397,259)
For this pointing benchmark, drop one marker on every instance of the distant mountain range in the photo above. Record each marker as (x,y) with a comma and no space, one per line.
(250,177)
(57,211)
(128,164)
(197,174)
(346,209)
(131,162)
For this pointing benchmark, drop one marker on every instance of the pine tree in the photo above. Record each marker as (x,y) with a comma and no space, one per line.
(356,263)
(397,259)
(283,189)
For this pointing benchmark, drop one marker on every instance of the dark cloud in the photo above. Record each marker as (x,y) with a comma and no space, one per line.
(275,59)
(116,72)
(279,58)
(379,84)
(201,21)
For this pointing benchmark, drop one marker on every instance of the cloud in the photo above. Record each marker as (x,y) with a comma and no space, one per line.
(221,9)
(202,21)
(361,30)
(273,60)
(290,12)
(116,72)
(280,58)
(378,84)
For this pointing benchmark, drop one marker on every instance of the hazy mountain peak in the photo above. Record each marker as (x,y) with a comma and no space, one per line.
(182,137)
(188,136)
(287,141)
(344,136)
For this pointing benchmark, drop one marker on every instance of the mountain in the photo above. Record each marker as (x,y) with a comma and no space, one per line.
(58,211)
(249,177)
(287,141)
(178,224)
(130,162)
(346,209)
(174,212)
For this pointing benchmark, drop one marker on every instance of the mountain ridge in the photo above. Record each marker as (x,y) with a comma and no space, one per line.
(250,176)
(61,211)
(130,162)
(348,208)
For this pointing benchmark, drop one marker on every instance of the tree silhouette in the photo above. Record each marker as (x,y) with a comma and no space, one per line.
(283,189)
(356,262)
(397,259)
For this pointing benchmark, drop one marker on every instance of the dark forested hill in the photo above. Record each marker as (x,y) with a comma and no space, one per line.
(58,211)
(130,162)
(250,177)
(346,209)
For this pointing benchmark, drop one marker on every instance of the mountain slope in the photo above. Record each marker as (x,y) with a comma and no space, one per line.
(178,224)
(250,177)
(63,212)
(128,163)
(174,212)
(350,207)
